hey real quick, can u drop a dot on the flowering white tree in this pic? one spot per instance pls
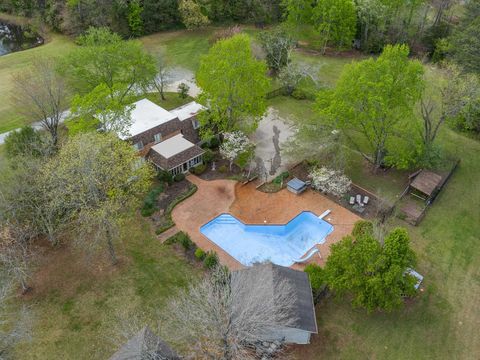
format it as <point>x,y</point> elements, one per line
<point>235,143</point>
<point>330,181</point>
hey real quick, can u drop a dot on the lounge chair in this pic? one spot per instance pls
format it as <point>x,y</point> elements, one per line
<point>359,200</point>
<point>366,199</point>
<point>352,200</point>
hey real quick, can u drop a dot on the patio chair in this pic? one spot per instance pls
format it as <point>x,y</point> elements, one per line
<point>366,199</point>
<point>359,199</point>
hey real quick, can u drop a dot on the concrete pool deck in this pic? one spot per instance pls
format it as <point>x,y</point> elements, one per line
<point>254,207</point>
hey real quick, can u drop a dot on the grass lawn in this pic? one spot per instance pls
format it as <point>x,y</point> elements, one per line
<point>76,303</point>
<point>10,116</point>
<point>180,48</point>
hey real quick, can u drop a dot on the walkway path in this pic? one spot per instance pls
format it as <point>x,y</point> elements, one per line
<point>167,234</point>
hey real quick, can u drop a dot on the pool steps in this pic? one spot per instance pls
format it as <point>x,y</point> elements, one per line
<point>308,256</point>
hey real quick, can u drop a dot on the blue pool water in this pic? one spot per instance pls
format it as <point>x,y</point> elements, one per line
<point>280,244</point>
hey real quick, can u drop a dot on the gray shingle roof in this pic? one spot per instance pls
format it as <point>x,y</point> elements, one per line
<point>303,315</point>
<point>145,346</point>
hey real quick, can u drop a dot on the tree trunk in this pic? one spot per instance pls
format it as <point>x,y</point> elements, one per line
<point>162,95</point>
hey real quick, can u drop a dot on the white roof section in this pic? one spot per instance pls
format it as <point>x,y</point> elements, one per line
<point>188,110</point>
<point>147,115</point>
<point>172,146</point>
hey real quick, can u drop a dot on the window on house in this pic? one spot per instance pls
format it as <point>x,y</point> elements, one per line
<point>157,137</point>
<point>195,161</point>
<point>138,145</point>
<point>176,170</point>
<point>195,124</point>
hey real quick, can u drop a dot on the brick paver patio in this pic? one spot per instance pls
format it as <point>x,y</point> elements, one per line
<point>252,206</point>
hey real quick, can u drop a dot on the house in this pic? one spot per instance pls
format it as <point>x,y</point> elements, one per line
<point>145,345</point>
<point>168,139</point>
<point>302,323</point>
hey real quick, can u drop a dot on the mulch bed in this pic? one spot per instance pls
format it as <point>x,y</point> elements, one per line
<point>171,192</point>
<point>165,198</point>
<point>216,174</point>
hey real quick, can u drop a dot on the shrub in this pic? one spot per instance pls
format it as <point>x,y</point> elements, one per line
<point>149,204</point>
<point>316,276</point>
<point>199,169</point>
<point>26,141</point>
<point>184,240</point>
<point>183,90</point>
<point>200,254</point>
<point>211,260</point>
<point>165,176</point>
<point>179,177</point>
<point>330,181</point>
<point>280,178</point>
<point>208,156</point>
<point>223,169</point>
<point>214,143</point>
<point>362,228</point>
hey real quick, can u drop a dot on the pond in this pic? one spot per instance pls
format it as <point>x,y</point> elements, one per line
<point>16,38</point>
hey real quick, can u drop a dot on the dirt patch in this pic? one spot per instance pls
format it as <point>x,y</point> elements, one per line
<point>62,269</point>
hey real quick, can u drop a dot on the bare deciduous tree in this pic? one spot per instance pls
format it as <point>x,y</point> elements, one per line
<point>292,74</point>
<point>13,328</point>
<point>163,77</point>
<point>41,94</point>
<point>228,315</point>
<point>456,94</point>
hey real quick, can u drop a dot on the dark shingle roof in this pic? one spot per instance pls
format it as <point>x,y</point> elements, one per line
<point>303,314</point>
<point>145,346</point>
<point>426,182</point>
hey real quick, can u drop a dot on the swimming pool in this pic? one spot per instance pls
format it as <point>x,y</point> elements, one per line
<point>280,244</point>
